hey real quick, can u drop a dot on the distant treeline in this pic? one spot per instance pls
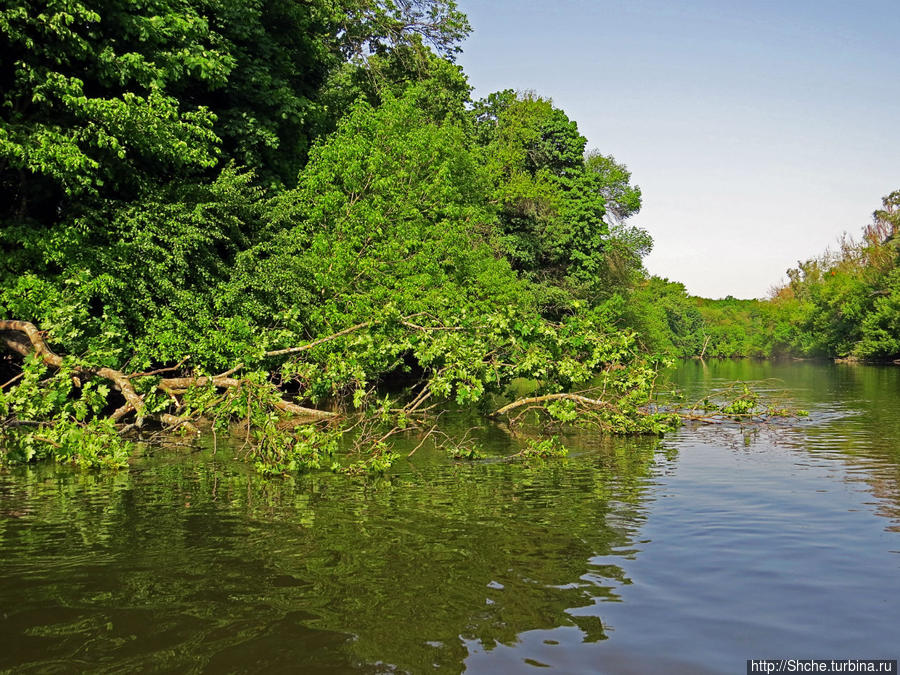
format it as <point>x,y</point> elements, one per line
<point>843,303</point>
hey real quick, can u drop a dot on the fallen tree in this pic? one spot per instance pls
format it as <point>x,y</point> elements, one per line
<point>137,408</point>
<point>135,403</point>
<point>73,410</point>
<point>60,405</point>
<point>285,315</point>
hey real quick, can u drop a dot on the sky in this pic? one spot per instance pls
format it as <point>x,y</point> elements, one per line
<point>758,132</point>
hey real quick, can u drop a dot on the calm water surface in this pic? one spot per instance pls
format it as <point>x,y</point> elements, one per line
<point>687,554</point>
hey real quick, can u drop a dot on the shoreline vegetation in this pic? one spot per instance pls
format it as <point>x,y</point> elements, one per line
<point>294,225</point>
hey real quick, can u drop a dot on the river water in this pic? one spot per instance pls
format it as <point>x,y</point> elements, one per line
<point>686,554</point>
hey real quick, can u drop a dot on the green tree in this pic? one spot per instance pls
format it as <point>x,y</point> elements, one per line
<point>551,207</point>
<point>622,199</point>
<point>120,129</point>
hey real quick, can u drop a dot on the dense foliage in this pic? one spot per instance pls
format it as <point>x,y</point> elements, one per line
<point>676,323</point>
<point>221,211</point>
<point>842,304</point>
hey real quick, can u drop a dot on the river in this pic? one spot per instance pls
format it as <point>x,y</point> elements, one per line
<point>686,554</point>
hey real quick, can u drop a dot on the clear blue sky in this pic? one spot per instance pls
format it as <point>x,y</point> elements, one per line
<point>757,131</point>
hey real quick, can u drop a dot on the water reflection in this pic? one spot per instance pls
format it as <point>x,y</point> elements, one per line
<point>193,561</point>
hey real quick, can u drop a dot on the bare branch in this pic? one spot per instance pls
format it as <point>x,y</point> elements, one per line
<point>584,400</point>
<point>316,343</point>
<point>158,371</point>
<point>12,381</point>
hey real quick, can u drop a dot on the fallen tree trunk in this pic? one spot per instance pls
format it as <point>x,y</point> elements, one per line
<point>180,385</point>
<point>39,346</point>
<point>24,338</point>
